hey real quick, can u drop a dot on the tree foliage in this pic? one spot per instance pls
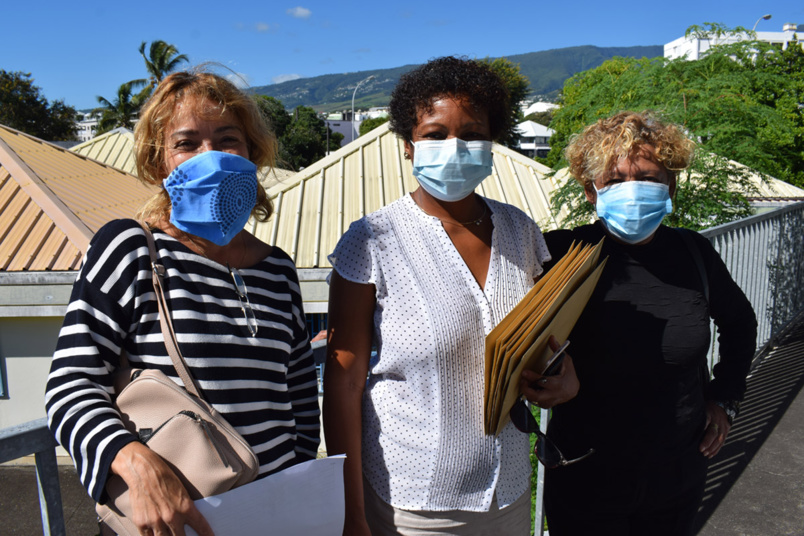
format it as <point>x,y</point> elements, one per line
<point>122,111</point>
<point>162,59</point>
<point>741,102</point>
<point>23,107</point>
<point>274,112</point>
<point>543,118</point>
<point>518,86</point>
<point>302,135</point>
<point>370,124</point>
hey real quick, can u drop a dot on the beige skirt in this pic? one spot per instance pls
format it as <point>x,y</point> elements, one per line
<point>385,520</point>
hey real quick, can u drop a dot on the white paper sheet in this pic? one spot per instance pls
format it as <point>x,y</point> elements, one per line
<point>306,499</point>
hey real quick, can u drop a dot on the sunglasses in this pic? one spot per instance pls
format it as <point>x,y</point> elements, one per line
<point>546,451</point>
<point>245,303</point>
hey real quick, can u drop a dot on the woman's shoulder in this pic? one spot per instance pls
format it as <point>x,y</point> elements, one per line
<point>559,240</point>
<point>518,219</point>
<point>378,222</point>
<point>505,208</point>
<point>124,235</point>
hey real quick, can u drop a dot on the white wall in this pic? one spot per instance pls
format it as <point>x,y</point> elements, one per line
<point>26,348</point>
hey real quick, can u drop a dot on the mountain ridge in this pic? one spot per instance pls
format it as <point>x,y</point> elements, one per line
<point>546,70</point>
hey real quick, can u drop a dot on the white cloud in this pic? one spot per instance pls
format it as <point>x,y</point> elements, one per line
<point>263,27</point>
<point>299,12</point>
<point>285,78</point>
<point>259,27</point>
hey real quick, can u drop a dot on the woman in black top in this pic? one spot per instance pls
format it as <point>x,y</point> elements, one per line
<point>645,405</point>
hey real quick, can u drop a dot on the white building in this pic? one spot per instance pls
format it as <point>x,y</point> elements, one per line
<point>534,139</point>
<point>87,127</point>
<point>694,48</point>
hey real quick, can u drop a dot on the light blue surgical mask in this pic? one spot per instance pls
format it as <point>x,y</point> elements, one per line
<point>451,169</point>
<point>633,210</point>
<point>212,195</point>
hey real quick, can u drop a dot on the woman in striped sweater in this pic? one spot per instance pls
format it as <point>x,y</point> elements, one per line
<point>234,301</point>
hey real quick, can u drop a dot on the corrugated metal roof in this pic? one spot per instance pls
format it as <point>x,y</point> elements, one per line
<point>116,148</point>
<point>52,201</point>
<point>316,206</point>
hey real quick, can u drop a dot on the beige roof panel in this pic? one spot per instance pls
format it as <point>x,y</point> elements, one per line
<point>316,206</point>
<point>114,148</point>
<point>52,201</point>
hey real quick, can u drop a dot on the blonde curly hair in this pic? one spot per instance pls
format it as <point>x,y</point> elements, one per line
<point>199,88</point>
<point>597,150</point>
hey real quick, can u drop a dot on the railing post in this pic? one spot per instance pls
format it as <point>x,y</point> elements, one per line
<point>777,282</point>
<point>34,438</point>
<point>538,514</point>
<point>47,479</point>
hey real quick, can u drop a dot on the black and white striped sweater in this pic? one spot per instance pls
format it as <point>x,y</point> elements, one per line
<point>265,386</point>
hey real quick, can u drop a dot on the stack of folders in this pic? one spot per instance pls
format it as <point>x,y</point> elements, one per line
<point>519,341</point>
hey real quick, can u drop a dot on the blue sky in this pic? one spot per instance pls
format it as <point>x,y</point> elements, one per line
<point>78,50</point>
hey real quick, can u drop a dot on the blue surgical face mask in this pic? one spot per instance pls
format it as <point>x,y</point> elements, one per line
<point>451,169</point>
<point>633,210</point>
<point>212,195</point>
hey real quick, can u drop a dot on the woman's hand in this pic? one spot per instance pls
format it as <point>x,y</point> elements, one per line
<point>717,428</point>
<point>159,501</point>
<point>549,391</point>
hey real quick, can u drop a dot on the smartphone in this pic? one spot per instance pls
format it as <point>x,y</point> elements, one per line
<point>554,363</point>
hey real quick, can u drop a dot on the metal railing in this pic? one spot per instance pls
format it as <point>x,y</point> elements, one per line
<point>764,253</point>
<point>34,438</point>
<point>765,256</point>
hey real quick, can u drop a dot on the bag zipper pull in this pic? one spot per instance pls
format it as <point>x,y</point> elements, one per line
<point>208,431</point>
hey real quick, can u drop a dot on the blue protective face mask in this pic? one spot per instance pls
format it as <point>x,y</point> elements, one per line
<point>212,195</point>
<point>451,169</point>
<point>633,210</point>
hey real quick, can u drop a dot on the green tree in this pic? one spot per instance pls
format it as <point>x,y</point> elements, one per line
<point>122,111</point>
<point>518,86</point>
<point>161,60</point>
<point>737,104</point>
<point>23,107</point>
<point>543,118</point>
<point>370,124</point>
<point>274,112</point>
<point>305,139</point>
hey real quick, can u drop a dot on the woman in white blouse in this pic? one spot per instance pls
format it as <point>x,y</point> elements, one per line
<point>424,279</point>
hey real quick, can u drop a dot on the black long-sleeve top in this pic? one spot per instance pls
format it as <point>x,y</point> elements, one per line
<point>640,347</point>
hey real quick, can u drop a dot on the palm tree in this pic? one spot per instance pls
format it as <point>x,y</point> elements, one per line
<point>122,112</point>
<point>162,58</point>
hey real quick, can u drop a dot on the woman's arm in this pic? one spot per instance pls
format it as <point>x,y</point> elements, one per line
<point>104,301</point>
<point>303,384</point>
<point>350,325</point>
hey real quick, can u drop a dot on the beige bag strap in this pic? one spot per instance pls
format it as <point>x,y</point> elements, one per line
<point>158,274</point>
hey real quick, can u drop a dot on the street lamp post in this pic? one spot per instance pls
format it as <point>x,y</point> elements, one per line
<point>763,17</point>
<point>353,103</point>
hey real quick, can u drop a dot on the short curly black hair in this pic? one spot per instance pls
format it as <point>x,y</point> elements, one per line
<point>418,89</point>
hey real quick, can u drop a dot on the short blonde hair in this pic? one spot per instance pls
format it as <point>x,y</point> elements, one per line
<point>160,110</point>
<point>597,150</point>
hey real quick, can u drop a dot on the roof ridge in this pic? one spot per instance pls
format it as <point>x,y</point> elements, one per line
<point>40,193</point>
